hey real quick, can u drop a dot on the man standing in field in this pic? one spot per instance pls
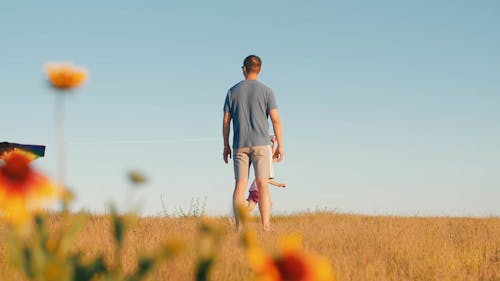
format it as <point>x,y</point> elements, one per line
<point>249,104</point>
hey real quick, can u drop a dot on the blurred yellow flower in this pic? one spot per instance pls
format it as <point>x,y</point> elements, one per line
<point>173,246</point>
<point>249,239</point>
<point>65,76</point>
<point>25,153</point>
<point>57,269</point>
<point>22,189</point>
<point>263,265</point>
<point>243,214</point>
<point>291,264</point>
<point>136,177</point>
<point>291,243</point>
<point>322,269</point>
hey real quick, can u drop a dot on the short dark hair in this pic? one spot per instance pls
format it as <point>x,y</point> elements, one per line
<point>252,63</point>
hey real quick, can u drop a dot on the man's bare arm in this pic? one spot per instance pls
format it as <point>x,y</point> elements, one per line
<point>276,121</point>
<point>226,127</point>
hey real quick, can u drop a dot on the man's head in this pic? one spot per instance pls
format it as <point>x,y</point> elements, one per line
<point>251,65</point>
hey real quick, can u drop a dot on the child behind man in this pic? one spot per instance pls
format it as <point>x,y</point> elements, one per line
<point>253,192</point>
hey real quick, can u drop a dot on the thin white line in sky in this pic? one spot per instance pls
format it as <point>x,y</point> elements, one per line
<point>111,142</point>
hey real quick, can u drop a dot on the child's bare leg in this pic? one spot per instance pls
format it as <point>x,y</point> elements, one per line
<point>251,205</point>
<point>278,184</point>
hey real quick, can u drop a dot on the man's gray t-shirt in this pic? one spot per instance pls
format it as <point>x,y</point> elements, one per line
<point>249,103</point>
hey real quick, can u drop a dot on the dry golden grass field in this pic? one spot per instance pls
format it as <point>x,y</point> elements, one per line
<point>359,247</point>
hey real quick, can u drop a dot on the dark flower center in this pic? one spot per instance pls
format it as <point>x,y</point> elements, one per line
<point>291,268</point>
<point>16,168</point>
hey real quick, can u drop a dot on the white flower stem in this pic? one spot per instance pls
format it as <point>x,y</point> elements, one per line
<point>61,144</point>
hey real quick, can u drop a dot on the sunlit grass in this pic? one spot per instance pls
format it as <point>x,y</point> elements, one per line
<point>359,247</point>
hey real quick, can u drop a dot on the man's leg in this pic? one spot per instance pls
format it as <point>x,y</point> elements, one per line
<point>260,161</point>
<point>264,203</point>
<point>241,168</point>
<point>239,199</point>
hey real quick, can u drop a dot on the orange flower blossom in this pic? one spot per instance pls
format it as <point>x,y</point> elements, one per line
<point>291,265</point>
<point>22,189</point>
<point>65,76</point>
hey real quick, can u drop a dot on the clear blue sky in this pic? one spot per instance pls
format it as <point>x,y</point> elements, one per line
<point>389,107</point>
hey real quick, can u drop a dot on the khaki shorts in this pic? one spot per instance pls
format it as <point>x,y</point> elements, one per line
<point>257,156</point>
